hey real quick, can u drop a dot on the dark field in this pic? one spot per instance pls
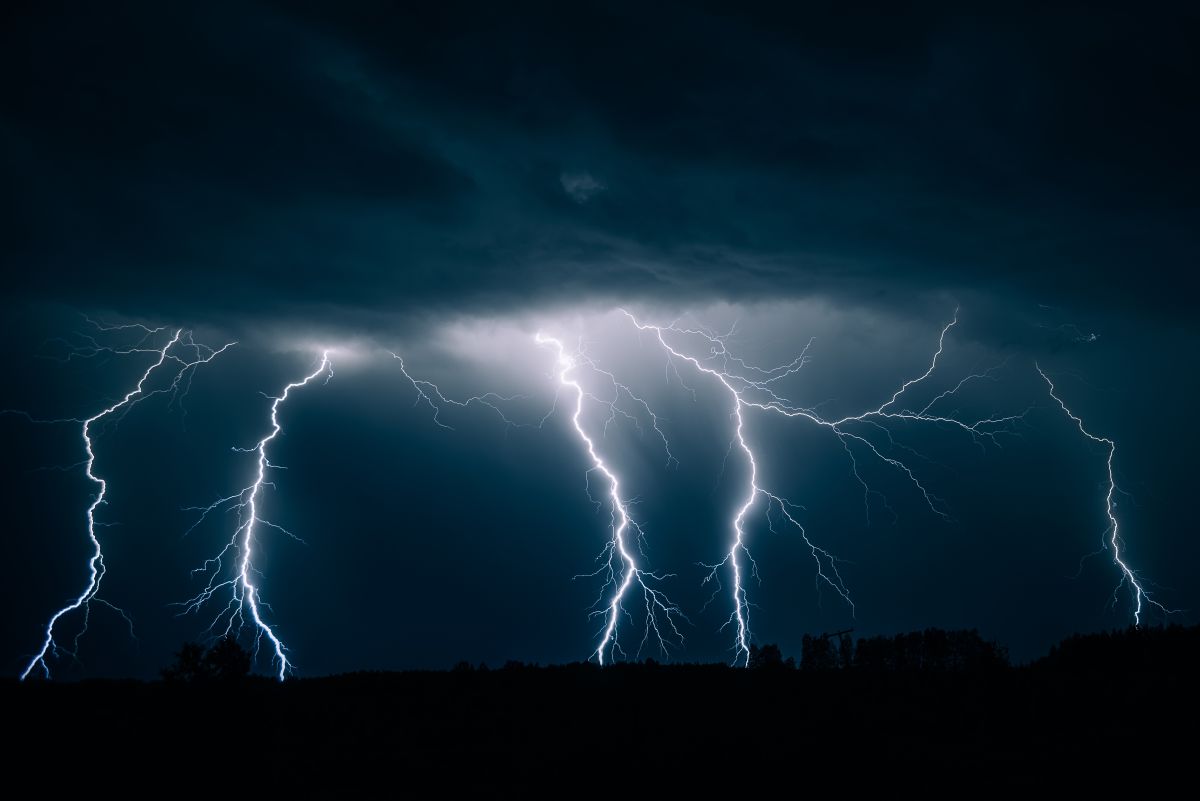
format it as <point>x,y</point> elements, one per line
<point>1107,710</point>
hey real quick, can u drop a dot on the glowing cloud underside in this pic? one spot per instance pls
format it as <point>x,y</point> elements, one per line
<point>176,353</point>
<point>245,598</point>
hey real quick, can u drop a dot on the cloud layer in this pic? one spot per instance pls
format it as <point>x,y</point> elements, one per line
<point>271,162</point>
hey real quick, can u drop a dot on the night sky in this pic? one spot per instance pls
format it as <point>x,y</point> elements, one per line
<point>444,182</point>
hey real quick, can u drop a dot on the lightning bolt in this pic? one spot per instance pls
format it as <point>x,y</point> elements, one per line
<point>431,395</point>
<point>244,593</point>
<point>619,562</point>
<point>96,566</point>
<point>752,387</point>
<point>1114,526</point>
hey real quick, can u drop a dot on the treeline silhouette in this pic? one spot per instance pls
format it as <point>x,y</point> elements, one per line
<point>1132,650</point>
<point>931,709</point>
<point>932,650</point>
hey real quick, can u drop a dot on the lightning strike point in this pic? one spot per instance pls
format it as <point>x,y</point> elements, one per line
<point>245,597</point>
<point>96,566</point>
<point>1128,576</point>
<point>620,568</point>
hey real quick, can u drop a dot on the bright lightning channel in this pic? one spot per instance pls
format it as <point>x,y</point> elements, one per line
<point>660,612</point>
<point>1110,509</point>
<point>618,563</point>
<point>96,566</point>
<point>752,387</point>
<point>244,593</point>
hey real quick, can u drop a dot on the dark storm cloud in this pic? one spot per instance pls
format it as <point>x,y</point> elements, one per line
<point>364,157</point>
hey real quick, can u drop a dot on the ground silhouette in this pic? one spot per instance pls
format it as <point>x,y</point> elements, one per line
<point>926,711</point>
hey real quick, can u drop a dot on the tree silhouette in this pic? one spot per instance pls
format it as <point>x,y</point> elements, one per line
<point>189,664</point>
<point>816,653</point>
<point>845,655</point>
<point>226,660</point>
<point>768,657</point>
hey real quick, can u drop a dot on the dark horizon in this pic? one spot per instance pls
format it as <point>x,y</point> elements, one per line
<point>929,651</point>
<point>966,208</point>
<point>945,723</point>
